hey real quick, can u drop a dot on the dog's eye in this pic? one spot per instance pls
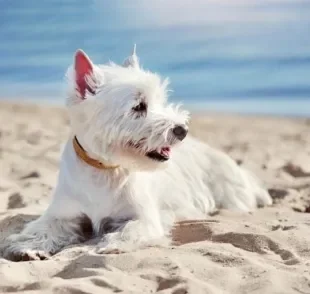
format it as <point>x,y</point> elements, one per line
<point>141,107</point>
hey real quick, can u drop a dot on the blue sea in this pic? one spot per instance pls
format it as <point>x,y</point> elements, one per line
<point>249,56</point>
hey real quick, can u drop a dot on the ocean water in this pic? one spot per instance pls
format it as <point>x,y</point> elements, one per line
<point>249,56</point>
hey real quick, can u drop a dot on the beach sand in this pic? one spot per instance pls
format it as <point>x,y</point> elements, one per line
<point>266,251</point>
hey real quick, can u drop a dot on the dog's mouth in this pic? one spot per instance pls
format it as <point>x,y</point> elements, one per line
<point>160,154</point>
<point>163,154</point>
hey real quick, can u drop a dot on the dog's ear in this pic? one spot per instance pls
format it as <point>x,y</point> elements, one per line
<point>132,60</point>
<point>84,70</point>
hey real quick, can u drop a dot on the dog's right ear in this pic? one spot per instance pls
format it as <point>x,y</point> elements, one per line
<point>132,60</point>
<point>84,70</point>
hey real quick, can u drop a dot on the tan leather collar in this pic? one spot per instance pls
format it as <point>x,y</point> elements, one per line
<point>82,154</point>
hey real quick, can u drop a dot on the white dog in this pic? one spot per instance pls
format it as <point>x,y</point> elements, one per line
<point>129,170</point>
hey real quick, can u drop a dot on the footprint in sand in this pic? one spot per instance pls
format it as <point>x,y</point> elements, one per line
<point>197,231</point>
<point>15,201</point>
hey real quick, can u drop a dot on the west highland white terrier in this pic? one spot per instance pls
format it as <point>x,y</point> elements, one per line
<point>129,169</point>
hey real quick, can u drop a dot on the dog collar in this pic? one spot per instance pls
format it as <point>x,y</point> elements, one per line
<point>82,154</point>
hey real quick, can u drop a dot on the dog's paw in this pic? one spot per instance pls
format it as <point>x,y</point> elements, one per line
<point>28,255</point>
<point>111,244</point>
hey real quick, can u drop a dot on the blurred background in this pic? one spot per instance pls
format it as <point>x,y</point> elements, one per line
<point>249,56</point>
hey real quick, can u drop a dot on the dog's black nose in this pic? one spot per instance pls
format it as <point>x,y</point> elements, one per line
<point>180,132</point>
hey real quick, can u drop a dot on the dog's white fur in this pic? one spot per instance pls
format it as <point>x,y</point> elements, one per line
<point>143,197</point>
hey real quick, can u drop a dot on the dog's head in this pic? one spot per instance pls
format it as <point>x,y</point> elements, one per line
<point>120,114</point>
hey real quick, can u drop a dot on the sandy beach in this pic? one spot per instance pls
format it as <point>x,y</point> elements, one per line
<point>266,251</point>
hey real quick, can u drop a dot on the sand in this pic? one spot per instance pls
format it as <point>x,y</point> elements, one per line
<point>266,251</point>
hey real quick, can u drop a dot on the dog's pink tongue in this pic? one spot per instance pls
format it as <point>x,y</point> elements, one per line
<point>165,151</point>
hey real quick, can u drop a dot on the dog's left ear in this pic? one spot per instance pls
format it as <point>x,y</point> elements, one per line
<point>132,60</point>
<point>84,70</point>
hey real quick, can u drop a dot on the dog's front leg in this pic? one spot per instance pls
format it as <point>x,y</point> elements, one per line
<point>133,235</point>
<point>146,230</point>
<point>46,236</point>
